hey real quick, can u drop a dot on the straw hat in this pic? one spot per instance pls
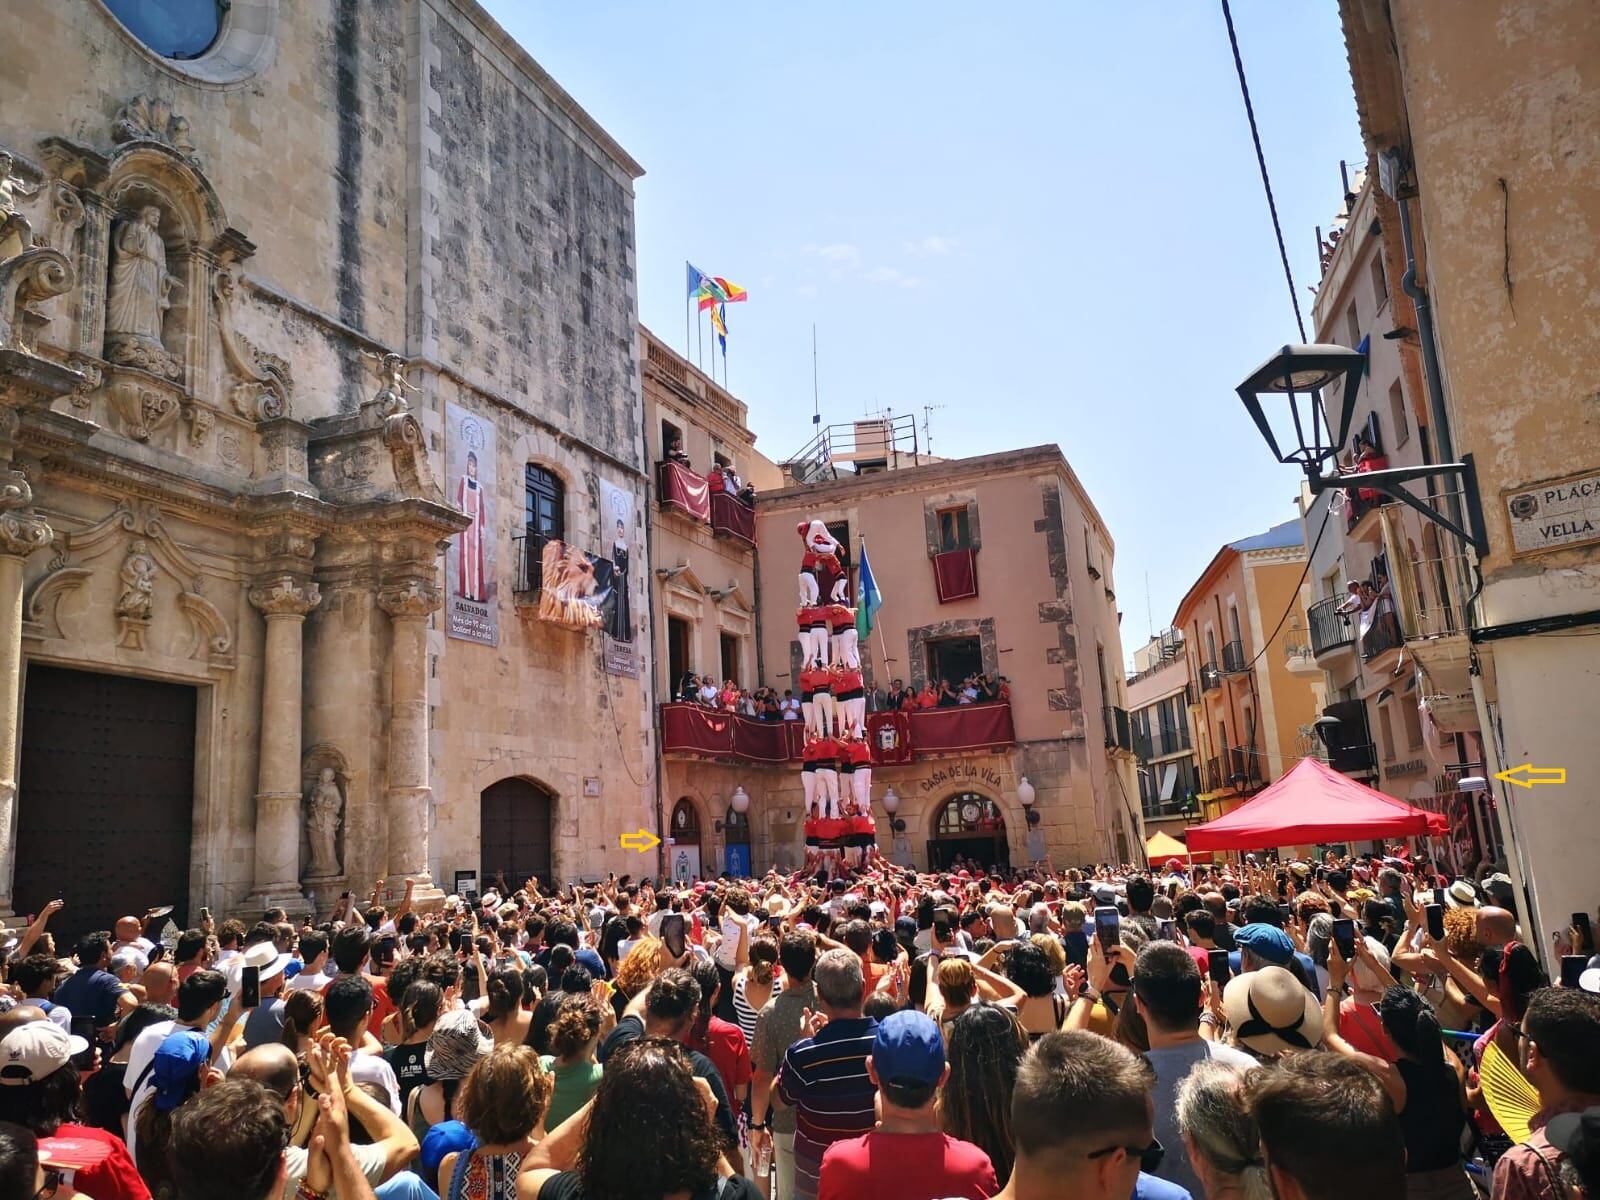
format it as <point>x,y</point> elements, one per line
<point>1460,894</point>
<point>1271,1012</point>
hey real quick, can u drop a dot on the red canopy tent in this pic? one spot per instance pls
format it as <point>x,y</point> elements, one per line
<point>1314,803</point>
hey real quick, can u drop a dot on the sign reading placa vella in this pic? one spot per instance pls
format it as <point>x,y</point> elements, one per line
<point>1555,515</point>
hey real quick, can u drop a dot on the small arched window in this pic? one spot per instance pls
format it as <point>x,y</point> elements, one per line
<point>178,29</point>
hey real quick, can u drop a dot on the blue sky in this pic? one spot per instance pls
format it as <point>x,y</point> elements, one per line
<point>1046,218</point>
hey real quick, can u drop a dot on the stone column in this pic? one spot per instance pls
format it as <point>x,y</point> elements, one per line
<point>22,531</point>
<point>408,602</point>
<point>284,601</point>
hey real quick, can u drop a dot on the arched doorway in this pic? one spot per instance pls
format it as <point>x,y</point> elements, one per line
<point>514,834</point>
<point>736,844</point>
<point>971,826</point>
<point>683,861</point>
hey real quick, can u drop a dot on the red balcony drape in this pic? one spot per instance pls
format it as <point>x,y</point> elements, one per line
<point>733,517</point>
<point>965,727</point>
<point>693,729</point>
<point>955,574</point>
<point>685,490</point>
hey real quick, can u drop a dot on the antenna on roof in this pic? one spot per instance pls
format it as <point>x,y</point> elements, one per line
<point>927,434</point>
<point>816,405</point>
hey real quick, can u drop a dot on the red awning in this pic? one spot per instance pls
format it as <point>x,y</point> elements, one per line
<point>1314,803</point>
<point>733,518</point>
<point>684,490</point>
<point>955,574</point>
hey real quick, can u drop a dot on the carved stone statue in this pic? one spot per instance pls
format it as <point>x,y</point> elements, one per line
<point>140,293</point>
<point>14,226</point>
<point>324,805</point>
<point>138,583</point>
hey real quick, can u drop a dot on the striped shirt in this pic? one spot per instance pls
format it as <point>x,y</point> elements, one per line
<point>741,1006</point>
<point>824,1079</point>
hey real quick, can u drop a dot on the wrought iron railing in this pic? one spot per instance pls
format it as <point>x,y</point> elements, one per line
<point>1234,660</point>
<point>1119,729</point>
<point>1210,677</point>
<point>528,555</point>
<point>1330,630</point>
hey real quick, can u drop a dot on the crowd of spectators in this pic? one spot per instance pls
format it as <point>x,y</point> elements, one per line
<point>1263,1031</point>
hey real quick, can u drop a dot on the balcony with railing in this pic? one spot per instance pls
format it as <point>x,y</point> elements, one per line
<point>1159,742</point>
<point>1211,776</point>
<point>1243,765</point>
<point>698,731</point>
<point>1210,677</point>
<point>1234,659</point>
<point>1331,631</point>
<point>732,518</point>
<point>1119,728</point>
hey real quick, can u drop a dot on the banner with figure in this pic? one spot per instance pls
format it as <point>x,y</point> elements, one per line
<point>471,588</point>
<point>616,536</point>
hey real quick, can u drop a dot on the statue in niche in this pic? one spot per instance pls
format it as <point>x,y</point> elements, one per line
<point>323,807</point>
<point>138,584</point>
<point>139,296</point>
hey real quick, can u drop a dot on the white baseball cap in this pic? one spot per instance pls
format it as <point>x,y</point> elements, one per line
<point>36,1051</point>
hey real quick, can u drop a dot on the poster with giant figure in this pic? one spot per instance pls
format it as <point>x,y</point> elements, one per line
<point>471,586</point>
<point>616,542</point>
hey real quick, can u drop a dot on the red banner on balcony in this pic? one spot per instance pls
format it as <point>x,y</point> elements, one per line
<point>955,573</point>
<point>889,735</point>
<point>965,727</point>
<point>693,729</point>
<point>683,489</point>
<point>733,517</point>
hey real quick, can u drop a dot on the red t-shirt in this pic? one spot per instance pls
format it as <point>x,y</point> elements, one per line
<point>905,1166</point>
<point>1360,1025</point>
<point>112,1176</point>
<point>382,1007</point>
<point>724,1045</point>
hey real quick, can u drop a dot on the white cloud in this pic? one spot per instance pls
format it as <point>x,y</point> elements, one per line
<point>842,253</point>
<point>931,245</point>
<point>892,276</point>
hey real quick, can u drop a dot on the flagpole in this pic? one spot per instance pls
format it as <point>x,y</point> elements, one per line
<point>700,343</point>
<point>688,308</point>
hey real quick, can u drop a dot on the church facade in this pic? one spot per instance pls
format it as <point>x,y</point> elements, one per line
<point>320,434</point>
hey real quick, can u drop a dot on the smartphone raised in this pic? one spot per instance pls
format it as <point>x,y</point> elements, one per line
<point>1572,966</point>
<point>1344,937</point>
<point>672,934</point>
<point>1107,926</point>
<point>1286,911</point>
<point>1435,921</point>
<point>1167,929</point>
<point>1217,966</point>
<point>250,987</point>
<point>1076,943</point>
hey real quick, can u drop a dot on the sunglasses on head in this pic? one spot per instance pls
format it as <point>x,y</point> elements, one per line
<point>1149,1156</point>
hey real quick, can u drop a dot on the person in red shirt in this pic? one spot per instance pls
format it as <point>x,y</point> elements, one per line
<point>907,1157</point>
<point>720,1041</point>
<point>351,950</point>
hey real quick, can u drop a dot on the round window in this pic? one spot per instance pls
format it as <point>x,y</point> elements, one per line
<point>178,29</point>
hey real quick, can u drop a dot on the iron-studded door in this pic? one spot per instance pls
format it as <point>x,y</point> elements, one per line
<point>105,797</point>
<point>515,832</point>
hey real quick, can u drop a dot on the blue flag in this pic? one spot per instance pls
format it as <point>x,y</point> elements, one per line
<point>868,598</point>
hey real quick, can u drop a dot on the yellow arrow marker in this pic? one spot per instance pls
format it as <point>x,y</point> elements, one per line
<point>1527,775</point>
<point>641,841</point>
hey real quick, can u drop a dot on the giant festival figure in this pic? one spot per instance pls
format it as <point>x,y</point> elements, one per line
<point>836,762</point>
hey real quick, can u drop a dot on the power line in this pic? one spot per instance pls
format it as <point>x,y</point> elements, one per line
<point>1294,598</point>
<point>1261,161</point>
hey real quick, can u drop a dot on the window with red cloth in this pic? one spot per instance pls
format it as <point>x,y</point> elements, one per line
<point>684,490</point>
<point>955,574</point>
<point>733,518</point>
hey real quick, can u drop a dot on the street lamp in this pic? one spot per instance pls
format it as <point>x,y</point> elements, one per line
<point>740,800</point>
<point>891,802</point>
<point>1302,374</point>
<point>1025,793</point>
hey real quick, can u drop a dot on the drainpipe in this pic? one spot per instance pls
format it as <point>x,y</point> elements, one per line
<point>1433,377</point>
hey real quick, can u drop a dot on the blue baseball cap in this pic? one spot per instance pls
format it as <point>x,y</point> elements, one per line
<point>447,1137</point>
<point>180,1058</point>
<point>1267,942</point>
<point>908,1050</point>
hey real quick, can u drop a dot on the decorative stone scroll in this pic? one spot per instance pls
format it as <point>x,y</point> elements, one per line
<point>28,273</point>
<point>263,383</point>
<point>22,531</point>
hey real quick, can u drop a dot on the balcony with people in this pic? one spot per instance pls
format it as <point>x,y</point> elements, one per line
<point>719,498</point>
<point>705,719</point>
